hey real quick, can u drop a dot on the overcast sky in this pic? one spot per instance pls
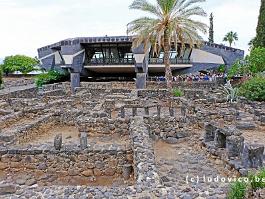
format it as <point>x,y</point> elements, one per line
<point>26,25</point>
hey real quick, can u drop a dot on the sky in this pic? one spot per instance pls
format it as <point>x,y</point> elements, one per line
<point>26,25</point>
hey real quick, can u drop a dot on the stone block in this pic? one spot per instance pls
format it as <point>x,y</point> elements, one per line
<point>171,112</point>
<point>88,172</point>
<point>209,132</point>
<point>122,112</point>
<point>262,120</point>
<point>146,111</point>
<point>134,111</point>
<point>58,142</point>
<point>220,139</point>
<point>253,156</point>
<point>7,189</point>
<point>83,140</point>
<point>245,125</point>
<point>127,171</point>
<point>234,145</point>
<point>158,108</point>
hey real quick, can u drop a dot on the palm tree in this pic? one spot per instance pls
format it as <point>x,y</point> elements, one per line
<point>231,37</point>
<point>171,22</point>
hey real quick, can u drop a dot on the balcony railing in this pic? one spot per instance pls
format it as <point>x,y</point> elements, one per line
<point>172,61</point>
<point>130,61</point>
<point>111,61</point>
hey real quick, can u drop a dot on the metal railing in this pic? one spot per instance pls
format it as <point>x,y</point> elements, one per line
<point>130,61</point>
<point>111,61</point>
<point>172,61</point>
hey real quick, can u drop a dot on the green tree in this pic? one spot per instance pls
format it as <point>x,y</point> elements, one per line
<point>231,37</point>
<point>19,63</point>
<point>251,44</point>
<point>256,60</point>
<point>211,31</point>
<point>260,37</point>
<point>171,22</point>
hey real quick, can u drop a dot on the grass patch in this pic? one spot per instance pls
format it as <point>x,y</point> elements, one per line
<point>177,92</point>
<point>237,190</point>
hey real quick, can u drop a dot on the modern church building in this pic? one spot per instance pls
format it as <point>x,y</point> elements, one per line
<point>99,57</point>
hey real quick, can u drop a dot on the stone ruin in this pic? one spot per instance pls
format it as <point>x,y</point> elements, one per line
<point>104,141</point>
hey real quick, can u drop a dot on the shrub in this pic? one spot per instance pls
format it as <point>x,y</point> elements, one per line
<point>177,92</point>
<point>51,76</point>
<point>253,89</point>
<point>19,63</point>
<point>221,68</point>
<point>256,60</point>
<point>256,181</point>
<point>240,67</point>
<point>237,190</point>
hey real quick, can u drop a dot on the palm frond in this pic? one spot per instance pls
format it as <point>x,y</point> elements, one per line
<point>144,5</point>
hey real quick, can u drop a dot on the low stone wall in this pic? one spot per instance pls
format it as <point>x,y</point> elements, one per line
<point>57,164</point>
<point>185,85</point>
<point>158,94</point>
<point>103,126</point>
<point>24,93</point>
<point>168,129</point>
<point>152,85</point>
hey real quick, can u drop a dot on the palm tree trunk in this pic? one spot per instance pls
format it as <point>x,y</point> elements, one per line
<point>168,72</point>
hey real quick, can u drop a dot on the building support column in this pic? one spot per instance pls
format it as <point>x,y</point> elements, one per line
<point>140,80</point>
<point>75,81</point>
<point>141,66</point>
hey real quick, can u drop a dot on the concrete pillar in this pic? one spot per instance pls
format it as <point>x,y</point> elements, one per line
<point>140,80</point>
<point>75,81</point>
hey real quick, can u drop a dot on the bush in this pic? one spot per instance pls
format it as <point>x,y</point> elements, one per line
<point>237,190</point>
<point>221,68</point>
<point>253,89</point>
<point>50,77</point>
<point>256,181</point>
<point>177,92</point>
<point>238,68</point>
<point>256,60</point>
<point>19,63</point>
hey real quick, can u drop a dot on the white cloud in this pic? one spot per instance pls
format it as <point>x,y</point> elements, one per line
<point>29,24</point>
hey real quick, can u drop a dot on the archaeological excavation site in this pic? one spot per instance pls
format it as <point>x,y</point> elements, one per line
<point>109,140</point>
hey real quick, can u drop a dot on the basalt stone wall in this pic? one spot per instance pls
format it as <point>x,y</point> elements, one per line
<point>164,128</point>
<point>26,93</point>
<point>103,126</point>
<point>123,85</point>
<point>75,162</point>
<point>152,85</point>
<point>190,85</point>
<point>158,94</point>
<point>21,132</point>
